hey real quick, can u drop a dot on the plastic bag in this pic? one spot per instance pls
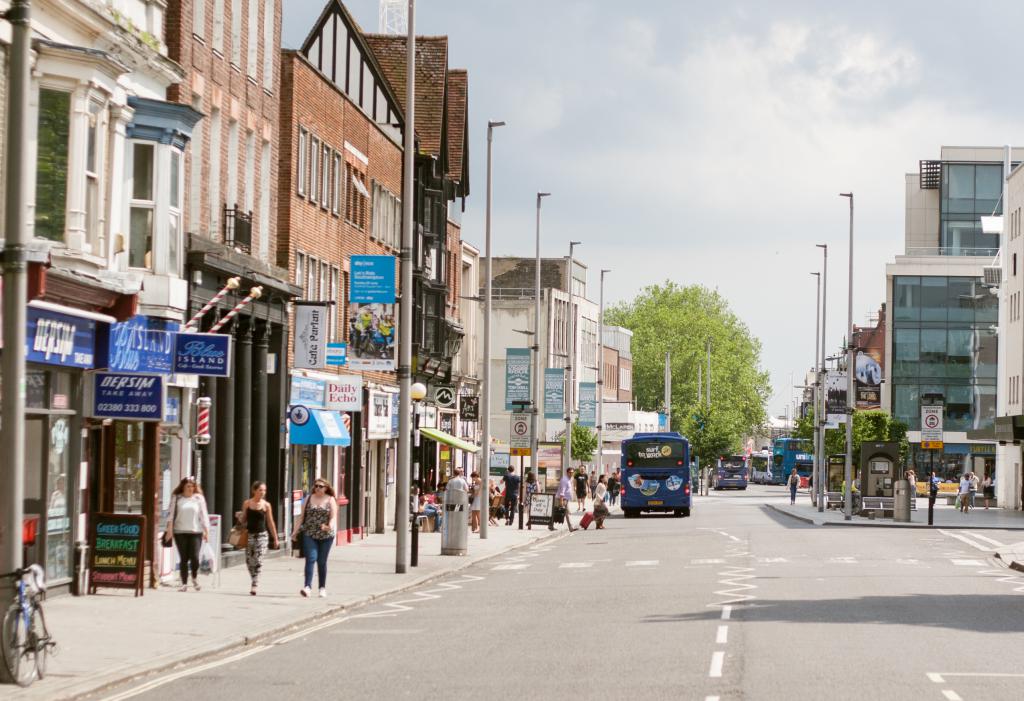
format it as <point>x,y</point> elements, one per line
<point>207,559</point>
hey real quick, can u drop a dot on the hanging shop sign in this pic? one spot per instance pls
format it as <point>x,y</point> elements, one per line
<point>345,393</point>
<point>307,391</point>
<point>446,422</point>
<point>378,422</point>
<point>142,344</point>
<point>337,354</point>
<point>206,354</point>
<point>517,378</point>
<point>588,404</point>
<point>60,339</point>
<point>469,407</point>
<point>117,395</point>
<point>554,393</point>
<point>116,552</point>
<point>372,279</point>
<point>312,326</point>
<point>444,396</point>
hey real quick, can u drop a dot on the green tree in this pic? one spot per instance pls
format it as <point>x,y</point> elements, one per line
<point>584,443</point>
<point>669,318</point>
<point>709,436</point>
<point>869,426</point>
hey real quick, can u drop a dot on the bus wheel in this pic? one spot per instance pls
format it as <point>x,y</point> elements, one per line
<point>678,513</point>
<point>631,513</point>
<point>686,512</point>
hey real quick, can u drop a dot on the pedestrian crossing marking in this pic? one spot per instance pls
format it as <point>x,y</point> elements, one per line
<point>642,563</point>
<point>968,563</point>
<point>711,561</point>
<point>843,560</point>
<point>575,565</point>
<point>512,566</point>
<point>770,560</point>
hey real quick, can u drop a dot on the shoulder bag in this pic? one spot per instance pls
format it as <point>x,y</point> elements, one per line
<point>168,538</point>
<point>297,540</point>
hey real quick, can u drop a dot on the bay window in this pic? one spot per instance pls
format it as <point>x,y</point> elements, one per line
<point>140,217</point>
<point>155,207</point>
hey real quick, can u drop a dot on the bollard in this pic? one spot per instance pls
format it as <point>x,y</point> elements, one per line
<point>901,504</point>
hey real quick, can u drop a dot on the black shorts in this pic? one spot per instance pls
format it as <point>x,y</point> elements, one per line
<point>990,492</point>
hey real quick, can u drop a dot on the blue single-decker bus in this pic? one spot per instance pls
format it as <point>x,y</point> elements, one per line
<point>656,474</point>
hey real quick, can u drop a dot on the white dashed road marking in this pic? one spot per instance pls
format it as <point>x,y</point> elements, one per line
<point>512,566</point>
<point>951,695</point>
<point>642,563</point>
<point>722,637</point>
<point>706,561</point>
<point>726,613</point>
<point>968,563</point>
<point>843,560</point>
<point>771,560</point>
<point>717,660</point>
<point>575,565</point>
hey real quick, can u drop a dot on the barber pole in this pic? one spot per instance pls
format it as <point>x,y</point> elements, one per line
<point>254,293</point>
<point>203,421</point>
<point>232,285</point>
<point>347,420</point>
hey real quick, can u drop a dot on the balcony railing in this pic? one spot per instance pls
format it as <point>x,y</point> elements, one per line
<point>238,229</point>
<point>952,251</point>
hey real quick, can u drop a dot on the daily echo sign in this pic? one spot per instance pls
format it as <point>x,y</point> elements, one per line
<point>345,393</point>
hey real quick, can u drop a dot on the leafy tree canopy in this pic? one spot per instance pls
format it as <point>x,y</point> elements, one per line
<point>868,426</point>
<point>584,443</point>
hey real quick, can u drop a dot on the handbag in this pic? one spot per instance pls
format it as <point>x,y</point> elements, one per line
<point>168,537</point>
<point>239,537</point>
<point>297,540</point>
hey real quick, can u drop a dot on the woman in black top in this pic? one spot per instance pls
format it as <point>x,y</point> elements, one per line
<point>259,525</point>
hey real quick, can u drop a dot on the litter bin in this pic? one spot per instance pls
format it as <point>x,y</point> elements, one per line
<point>455,524</point>
<point>80,584</point>
<point>901,507</point>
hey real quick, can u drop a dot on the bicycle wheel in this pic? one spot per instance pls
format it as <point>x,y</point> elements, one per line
<point>39,638</point>
<point>19,658</point>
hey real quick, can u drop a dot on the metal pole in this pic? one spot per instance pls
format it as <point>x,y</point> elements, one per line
<point>414,558</point>
<point>817,389</point>
<point>485,411</point>
<point>668,391</point>
<point>570,325</point>
<point>600,379</point>
<point>848,472</point>
<point>822,417</point>
<point>708,343</point>
<point>405,328</point>
<point>538,377</point>
<point>15,298</point>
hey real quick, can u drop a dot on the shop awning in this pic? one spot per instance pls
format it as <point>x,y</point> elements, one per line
<point>449,439</point>
<point>320,428</point>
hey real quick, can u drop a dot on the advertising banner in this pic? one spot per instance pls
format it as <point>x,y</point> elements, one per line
<point>517,378</point>
<point>127,396</point>
<point>312,326</point>
<point>373,279</point>
<point>203,354</point>
<point>345,393</point>
<point>869,378</point>
<point>378,423</point>
<point>835,399</point>
<point>588,404</point>
<point>372,337</point>
<point>554,393</point>
<point>549,464</point>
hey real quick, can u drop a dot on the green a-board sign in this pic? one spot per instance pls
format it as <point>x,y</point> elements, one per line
<point>117,551</point>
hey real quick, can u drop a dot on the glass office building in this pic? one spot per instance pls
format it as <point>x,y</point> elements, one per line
<point>969,191</point>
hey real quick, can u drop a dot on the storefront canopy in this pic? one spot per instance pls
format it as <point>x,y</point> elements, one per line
<point>449,439</point>
<point>321,428</point>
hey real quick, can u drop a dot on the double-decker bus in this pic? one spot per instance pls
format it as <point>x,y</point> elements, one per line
<point>655,474</point>
<point>761,467</point>
<point>788,453</point>
<point>731,472</point>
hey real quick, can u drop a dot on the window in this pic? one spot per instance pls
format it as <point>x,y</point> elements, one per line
<point>54,130</point>
<point>218,25</point>
<point>215,201</point>
<point>301,165</point>
<point>199,19</point>
<point>195,185</point>
<point>231,196</point>
<point>625,379</point>
<point>93,168</point>
<point>335,278</point>
<point>252,53</point>
<point>140,247</point>
<point>314,170</point>
<point>250,172</point>
<point>337,175</point>
<point>387,217</point>
<point>358,198</point>
<point>325,178</point>
<point>969,191</point>
<point>300,268</point>
<point>236,32</point>
<point>268,44</point>
<point>312,270</point>
<point>264,244</point>
<point>174,215</point>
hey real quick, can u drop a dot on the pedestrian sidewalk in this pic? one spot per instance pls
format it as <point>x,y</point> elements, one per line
<point>112,636</point>
<point>944,517</point>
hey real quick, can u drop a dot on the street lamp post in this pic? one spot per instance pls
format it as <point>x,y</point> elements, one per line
<point>570,321</point>
<point>817,387</point>
<point>522,407</point>
<point>538,377</point>
<point>850,360</point>
<point>418,391</point>
<point>822,417</point>
<point>600,379</point>
<point>485,417</point>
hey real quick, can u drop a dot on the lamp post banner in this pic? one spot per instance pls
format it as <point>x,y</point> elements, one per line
<point>588,404</point>
<point>554,393</point>
<point>371,337</point>
<point>517,378</point>
<point>835,399</point>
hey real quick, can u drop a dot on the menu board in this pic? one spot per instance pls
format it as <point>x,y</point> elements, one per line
<point>542,507</point>
<point>116,552</point>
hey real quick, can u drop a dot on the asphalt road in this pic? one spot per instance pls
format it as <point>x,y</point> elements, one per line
<point>736,602</point>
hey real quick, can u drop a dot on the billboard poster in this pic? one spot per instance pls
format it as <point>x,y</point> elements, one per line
<point>869,378</point>
<point>312,324</point>
<point>835,399</point>
<point>371,337</point>
<point>554,393</point>
<point>378,422</point>
<point>588,404</point>
<point>549,464</point>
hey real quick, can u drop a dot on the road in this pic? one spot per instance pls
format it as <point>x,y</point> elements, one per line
<point>736,602</point>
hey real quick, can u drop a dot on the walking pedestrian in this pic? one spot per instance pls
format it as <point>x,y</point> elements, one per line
<point>189,525</point>
<point>563,496</point>
<point>511,480</point>
<point>793,482</point>
<point>475,499</point>
<point>581,490</point>
<point>600,508</point>
<point>317,525</point>
<point>532,487</point>
<point>990,489</point>
<point>963,494</point>
<point>613,488</point>
<point>592,483</point>
<point>258,517</point>
<point>973,489</point>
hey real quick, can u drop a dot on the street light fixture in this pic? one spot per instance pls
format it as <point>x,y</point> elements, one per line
<point>570,360</point>
<point>600,379</point>
<point>822,470</point>
<point>538,378</point>
<point>416,392</point>
<point>850,360</point>
<point>816,487</point>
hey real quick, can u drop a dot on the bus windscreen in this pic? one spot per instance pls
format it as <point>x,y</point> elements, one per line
<point>655,454</point>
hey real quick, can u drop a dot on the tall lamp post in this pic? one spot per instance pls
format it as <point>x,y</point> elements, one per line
<point>522,406</point>
<point>850,360</point>
<point>600,379</point>
<point>570,325</point>
<point>538,377</point>
<point>815,488</point>
<point>485,417</point>
<point>417,392</point>
<point>822,417</point>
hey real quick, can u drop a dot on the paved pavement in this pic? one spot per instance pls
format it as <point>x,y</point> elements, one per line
<point>738,602</point>
<point>112,636</point>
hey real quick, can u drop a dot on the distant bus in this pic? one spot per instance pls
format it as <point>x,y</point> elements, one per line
<point>731,473</point>
<point>655,474</point>
<point>788,453</point>
<point>761,467</point>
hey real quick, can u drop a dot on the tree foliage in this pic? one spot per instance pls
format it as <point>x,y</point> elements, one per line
<point>669,318</point>
<point>584,443</point>
<point>870,426</point>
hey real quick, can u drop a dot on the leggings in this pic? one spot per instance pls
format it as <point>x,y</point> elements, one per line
<point>255,550</point>
<point>188,552</point>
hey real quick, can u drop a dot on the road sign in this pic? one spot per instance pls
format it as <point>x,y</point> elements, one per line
<point>931,445</point>
<point>444,395</point>
<point>519,435</point>
<point>931,423</point>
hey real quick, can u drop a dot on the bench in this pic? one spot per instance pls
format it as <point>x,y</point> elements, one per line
<point>833,500</point>
<point>883,504</point>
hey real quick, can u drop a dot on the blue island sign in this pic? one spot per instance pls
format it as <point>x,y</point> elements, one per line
<point>128,396</point>
<point>202,354</point>
<point>141,344</point>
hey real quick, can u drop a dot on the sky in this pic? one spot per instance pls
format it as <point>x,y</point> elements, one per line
<point>707,143</point>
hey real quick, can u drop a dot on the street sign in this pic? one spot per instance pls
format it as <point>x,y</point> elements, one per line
<point>519,435</point>
<point>932,445</point>
<point>931,423</point>
<point>444,396</point>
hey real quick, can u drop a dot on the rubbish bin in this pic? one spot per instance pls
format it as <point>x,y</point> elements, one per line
<point>901,507</point>
<point>80,584</point>
<point>455,524</point>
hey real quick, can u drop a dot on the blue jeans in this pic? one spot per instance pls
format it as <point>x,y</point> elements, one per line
<point>316,552</point>
<point>792,492</point>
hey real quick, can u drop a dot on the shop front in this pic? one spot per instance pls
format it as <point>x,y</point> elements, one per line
<point>953,460</point>
<point>380,455</point>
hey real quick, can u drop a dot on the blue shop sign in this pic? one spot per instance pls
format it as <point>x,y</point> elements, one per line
<point>142,344</point>
<point>60,339</point>
<point>373,279</point>
<point>395,400</point>
<point>307,392</point>
<point>128,396</point>
<point>202,354</point>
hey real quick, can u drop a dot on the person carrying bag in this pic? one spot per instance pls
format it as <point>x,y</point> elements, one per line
<point>188,527</point>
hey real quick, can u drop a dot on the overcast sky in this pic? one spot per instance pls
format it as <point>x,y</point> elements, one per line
<point>707,142</point>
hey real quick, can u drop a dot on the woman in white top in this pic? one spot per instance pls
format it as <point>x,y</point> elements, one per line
<point>190,524</point>
<point>476,489</point>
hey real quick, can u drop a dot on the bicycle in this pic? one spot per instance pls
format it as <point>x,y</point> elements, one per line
<point>25,642</point>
